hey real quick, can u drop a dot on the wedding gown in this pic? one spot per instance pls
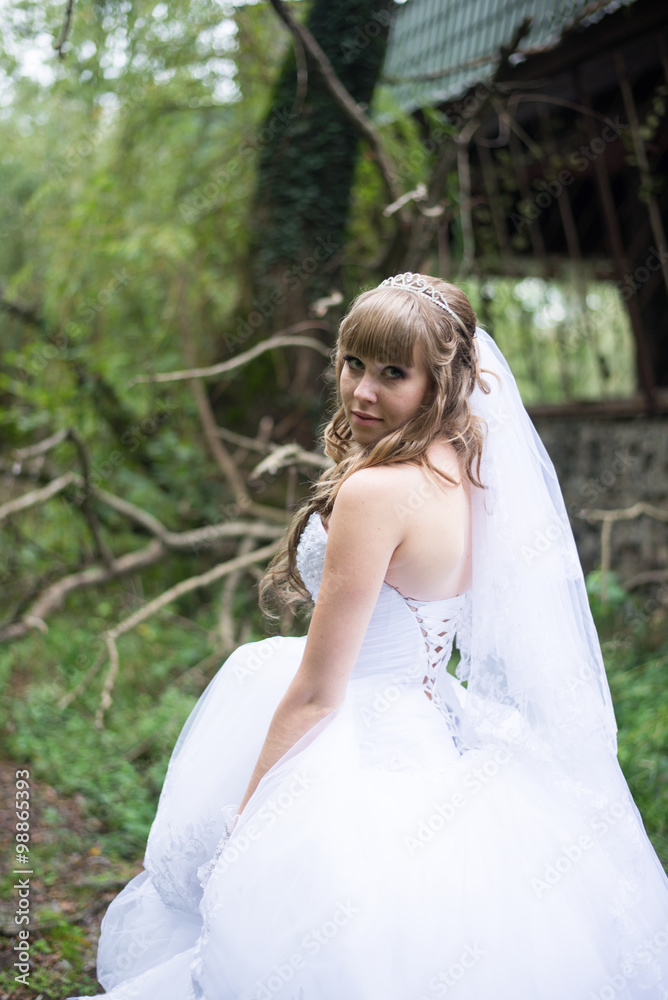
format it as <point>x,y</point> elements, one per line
<point>375,860</point>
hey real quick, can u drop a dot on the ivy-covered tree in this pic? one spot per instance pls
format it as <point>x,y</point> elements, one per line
<point>307,166</point>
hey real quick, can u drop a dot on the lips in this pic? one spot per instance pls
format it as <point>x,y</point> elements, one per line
<point>365,419</point>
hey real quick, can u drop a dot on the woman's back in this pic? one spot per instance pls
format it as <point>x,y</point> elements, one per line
<point>406,638</point>
<point>434,560</point>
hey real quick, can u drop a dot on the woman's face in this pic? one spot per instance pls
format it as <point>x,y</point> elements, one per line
<point>379,398</point>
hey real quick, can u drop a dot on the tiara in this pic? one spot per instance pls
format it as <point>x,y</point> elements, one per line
<point>418,284</point>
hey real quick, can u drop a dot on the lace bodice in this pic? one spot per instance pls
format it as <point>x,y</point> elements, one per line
<point>404,634</point>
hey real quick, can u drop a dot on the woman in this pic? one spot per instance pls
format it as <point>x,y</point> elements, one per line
<point>392,831</point>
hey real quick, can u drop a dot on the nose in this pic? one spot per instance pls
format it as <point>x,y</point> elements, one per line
<point>366,389</point>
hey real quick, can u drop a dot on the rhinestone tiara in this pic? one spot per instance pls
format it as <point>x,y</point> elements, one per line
<point>419,284</point>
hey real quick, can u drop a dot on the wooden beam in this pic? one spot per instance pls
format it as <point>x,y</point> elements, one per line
<point>614,409</point>
<point>613,230</point>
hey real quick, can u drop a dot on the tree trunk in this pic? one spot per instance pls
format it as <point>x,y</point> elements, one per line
<point>307,166</point>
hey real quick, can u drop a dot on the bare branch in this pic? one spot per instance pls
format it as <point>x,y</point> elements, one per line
<point>466,221</point>
<point>35,497</point>
<point>94,668</point>
<point>218,450</point>
<point>348,105</point>
<point>184,587</point>
<point>34,450</point>
<point>192,539</point>
<point>321,306</point>
<point>164,540</point>
<point>112,673</point>
<point>607,519</point>
<point>506,51</point>
<point>440,73</point>
<point>225,616</point>
<point>581,109</point>
<point>283,339</point>
<point>53,597</point>
<point>418,194</point>
<point>58,485</point>
<point>192,583</point>
<point>136,514</point>
<point>196,537</point>
<point>289,455</point>
<point>86,507</point>
<point>521,134</point>
<point>251,444</point>
<point>65,30</point>
<point>430,214</point>
<point>627,513</point>
<point>650,576</point>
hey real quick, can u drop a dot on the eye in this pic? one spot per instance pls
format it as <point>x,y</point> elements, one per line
<point>393,372</point>
<point>353,362</point>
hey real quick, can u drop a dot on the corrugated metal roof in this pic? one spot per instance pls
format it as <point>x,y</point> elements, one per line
<point>438,49</point>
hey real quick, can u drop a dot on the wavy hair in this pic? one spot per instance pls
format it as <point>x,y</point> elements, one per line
<point>386,323</point>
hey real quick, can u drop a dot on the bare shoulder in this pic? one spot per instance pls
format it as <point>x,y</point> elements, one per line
<point>375,480</point>
<point>384,488</point>
<point>445,457</point>
<point>406,522</point>
<point>378,490</point>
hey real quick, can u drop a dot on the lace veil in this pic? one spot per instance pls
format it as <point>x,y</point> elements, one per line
<point>531,657</point>
<point>531,660</point>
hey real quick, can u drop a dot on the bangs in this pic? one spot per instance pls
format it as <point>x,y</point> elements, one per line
<point>384,324</point>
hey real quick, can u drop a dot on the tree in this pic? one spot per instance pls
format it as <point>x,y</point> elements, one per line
<point>306,168</point>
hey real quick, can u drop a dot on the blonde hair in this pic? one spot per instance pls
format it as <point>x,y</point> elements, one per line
<point>386,324</point>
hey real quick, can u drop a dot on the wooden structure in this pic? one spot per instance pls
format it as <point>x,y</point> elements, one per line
<point>560,107</point>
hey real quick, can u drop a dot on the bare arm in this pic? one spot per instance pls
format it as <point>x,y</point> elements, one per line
<point>364,531</point>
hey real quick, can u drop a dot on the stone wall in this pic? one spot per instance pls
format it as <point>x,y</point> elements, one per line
<point>606,463</point>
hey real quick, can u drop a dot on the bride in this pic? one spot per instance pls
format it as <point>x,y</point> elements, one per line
<point>345,819</point>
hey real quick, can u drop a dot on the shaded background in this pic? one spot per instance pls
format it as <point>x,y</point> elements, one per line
<point>190,194</point>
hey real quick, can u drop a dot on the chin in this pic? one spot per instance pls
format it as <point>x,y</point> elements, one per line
<point>366,435</point>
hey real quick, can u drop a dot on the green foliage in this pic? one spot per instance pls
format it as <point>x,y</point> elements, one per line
<point>49,982</point>
<point>606,593</point>
<point>129,181</point>
<point>634,639</point>
<point>641,702</point>
<point>123,206</point>
<point>369,229</point>
<point>58,961</point>
<point>117,771</point>
<point>78,760</point>
<point>563,339</point>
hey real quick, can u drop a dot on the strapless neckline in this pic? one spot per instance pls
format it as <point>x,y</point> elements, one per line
<point>415,603</point>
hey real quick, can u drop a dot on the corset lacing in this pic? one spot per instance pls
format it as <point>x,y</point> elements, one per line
<point>439,634</point>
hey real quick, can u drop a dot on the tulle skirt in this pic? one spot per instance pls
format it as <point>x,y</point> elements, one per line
<point>376,862</point>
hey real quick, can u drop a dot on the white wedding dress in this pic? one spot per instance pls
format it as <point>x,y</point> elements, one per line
<point>375,861</point>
